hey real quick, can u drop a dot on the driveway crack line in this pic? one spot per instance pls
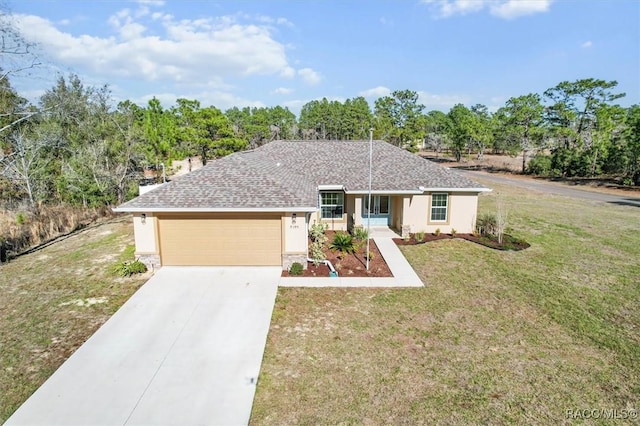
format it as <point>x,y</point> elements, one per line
<point>195,308</point>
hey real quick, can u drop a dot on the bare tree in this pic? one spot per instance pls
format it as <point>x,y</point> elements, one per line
<point>17,56</point>
<point>26,163</point>
<point>109,163</point>
<point>501,219</point>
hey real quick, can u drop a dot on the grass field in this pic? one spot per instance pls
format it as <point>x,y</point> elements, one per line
<point>52,300</point>
<point>493,338</point>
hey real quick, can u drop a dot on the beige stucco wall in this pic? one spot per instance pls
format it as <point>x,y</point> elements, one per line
<point>337,224</point>
<point>145,234</point>
<point>295,234</point>
<point>461,213</point>
<point>357,208</point>
<point>397,211</point>
<point>414,208</point>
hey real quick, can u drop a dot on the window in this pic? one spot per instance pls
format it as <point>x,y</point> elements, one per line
<point>439,204</point>
<point>380,205</point>
<point>331,204</point>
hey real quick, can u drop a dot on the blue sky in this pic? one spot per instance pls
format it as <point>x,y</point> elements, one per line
<point>266,53</point>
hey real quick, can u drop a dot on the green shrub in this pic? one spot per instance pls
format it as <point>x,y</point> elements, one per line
<point>317,231</point>
<point>419,236</point>
<point>318,240</point>
<point>296,268</point>
<point>437,232</point>
<point>129,253</point>
<point>21,218</point>
<point>570,162</point>
<point>486,224</point>
<point>317,253</point>
<point>370,256</point>
<point>126,269</point>
<point>360,233</point>
<point>540,165</point>
<point>632,179</point>
<point>453,232</point>
<point>343,243</point>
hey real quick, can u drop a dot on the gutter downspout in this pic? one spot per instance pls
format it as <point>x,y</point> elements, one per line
<point>324,262</point>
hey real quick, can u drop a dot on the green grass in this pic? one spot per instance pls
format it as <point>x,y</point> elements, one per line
<point>494,337</point>
<point>40,326</point>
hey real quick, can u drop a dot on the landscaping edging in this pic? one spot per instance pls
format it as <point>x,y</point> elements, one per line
<point>509,243</point>
<point>350,265</point>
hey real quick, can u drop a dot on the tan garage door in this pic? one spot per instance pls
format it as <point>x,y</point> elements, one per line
<point>220,239</point>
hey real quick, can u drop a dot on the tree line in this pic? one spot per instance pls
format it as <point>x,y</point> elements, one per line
<point>74,146</point>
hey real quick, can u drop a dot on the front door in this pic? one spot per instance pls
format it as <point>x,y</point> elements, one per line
<point>380,210</point>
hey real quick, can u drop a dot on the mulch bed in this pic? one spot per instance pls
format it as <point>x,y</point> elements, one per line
<point>351,265</point>
<point>509,243</point>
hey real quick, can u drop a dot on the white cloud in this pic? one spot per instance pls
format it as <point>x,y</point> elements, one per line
<point>269,20</point>
<point>32,95</point>
<point>150,2</point>
<point>295,104</point>
<point>587,44</point>
<point>282,91</point>
<point>446,8</point>
<point>225,100</point>
<point>284,21</point>
<point>188,50</point>
<point>309,76</point>
<point>219,99</point>
<point>124,24</point>
<point>505,9</point>
<point>433,101</point>
<point>288,72</point>
<point>515,8</point>
<point>376,92</point>
<point>496,102</point>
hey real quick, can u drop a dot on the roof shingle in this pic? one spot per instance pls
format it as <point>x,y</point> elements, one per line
<point>286,174</point>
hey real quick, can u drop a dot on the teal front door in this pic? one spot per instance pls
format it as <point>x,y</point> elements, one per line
<point>380,210</point>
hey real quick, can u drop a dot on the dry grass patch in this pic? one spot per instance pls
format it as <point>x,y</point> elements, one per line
<point>52,301</point>
<point>494,337</point>
<point>23,229</point>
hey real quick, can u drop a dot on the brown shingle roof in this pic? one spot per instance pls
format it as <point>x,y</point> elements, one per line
<point>286,174</point>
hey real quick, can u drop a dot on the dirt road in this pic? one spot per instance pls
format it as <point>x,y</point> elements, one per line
<point>554,188</point>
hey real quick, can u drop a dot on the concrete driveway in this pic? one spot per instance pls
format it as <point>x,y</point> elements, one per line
<point>186,349</point>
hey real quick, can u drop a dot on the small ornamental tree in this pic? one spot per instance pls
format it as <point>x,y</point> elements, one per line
<point>318,240</point>
<point>501,219</point>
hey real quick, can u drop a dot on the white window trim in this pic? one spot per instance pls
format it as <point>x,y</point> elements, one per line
<point>446,208</point>
<point>331,205</point>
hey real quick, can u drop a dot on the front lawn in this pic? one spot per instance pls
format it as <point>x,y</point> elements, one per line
<point>53,300</point>
<point>494,337</point>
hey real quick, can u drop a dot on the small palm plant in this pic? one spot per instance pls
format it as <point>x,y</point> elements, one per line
<point>343,243</point>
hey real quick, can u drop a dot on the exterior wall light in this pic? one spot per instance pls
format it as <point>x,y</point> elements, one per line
<point>143,218</point>
<point>294,217</point>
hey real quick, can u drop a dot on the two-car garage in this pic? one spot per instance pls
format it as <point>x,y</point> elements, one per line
<point>220,239</point>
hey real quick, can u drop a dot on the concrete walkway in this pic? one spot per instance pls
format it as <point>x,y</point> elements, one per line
<point>403,273</point>
<point>185,349</point>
